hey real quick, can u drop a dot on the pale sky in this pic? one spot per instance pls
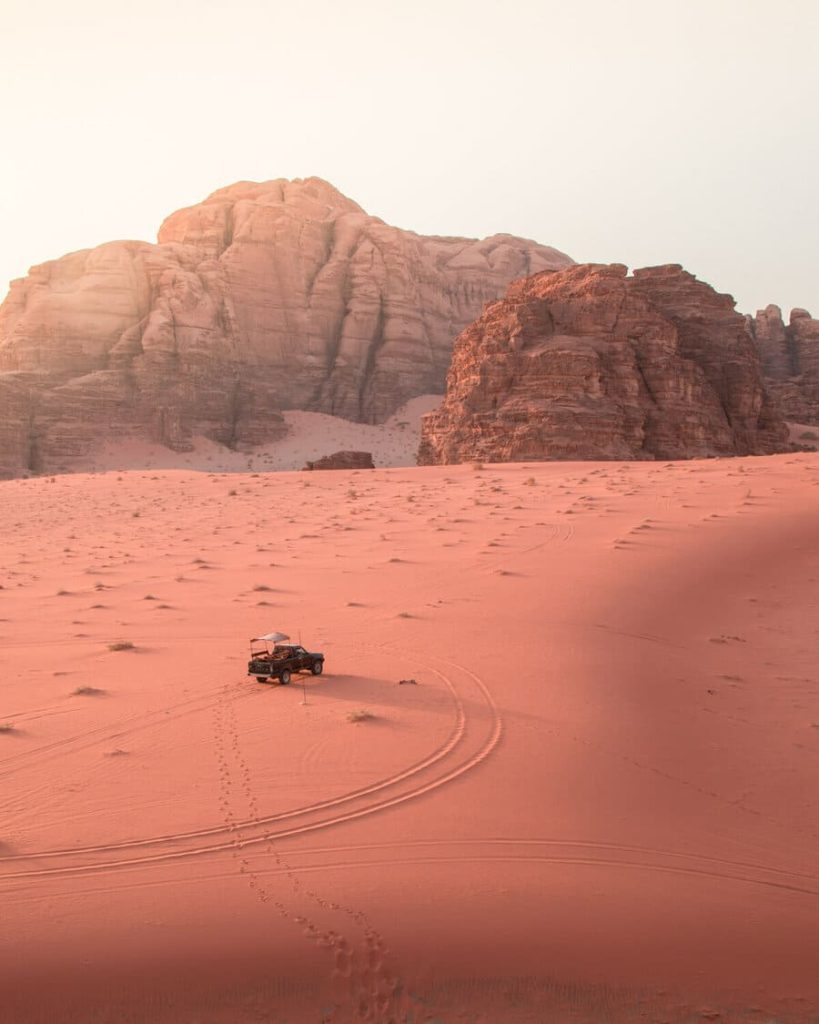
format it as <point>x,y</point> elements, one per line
<point>632,131</point>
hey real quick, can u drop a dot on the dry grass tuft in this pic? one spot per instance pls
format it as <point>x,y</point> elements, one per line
<point>121,645</point>
<point>88,691</point>
<point>7,727</point>
<point>362,715</point>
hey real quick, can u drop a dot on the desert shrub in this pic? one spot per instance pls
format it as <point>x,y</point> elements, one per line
<point>121,645</point>
<point>362,715</point>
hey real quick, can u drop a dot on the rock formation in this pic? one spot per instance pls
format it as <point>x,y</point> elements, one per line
<point>343,460</point>
<point>589,363</point>
<point>264,297</point>
<point>790,360</point>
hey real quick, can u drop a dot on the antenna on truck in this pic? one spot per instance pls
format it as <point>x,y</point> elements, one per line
<point>303,683</point>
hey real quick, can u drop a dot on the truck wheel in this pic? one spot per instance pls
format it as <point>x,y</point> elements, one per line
<point>284,678</point>
<point>261,679</point>
<point>317,667</point>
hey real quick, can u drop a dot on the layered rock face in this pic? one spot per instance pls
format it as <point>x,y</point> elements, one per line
<point>264,297</point>
<point>589,363</point>
<point>343,460</point>
<point>790,360</point>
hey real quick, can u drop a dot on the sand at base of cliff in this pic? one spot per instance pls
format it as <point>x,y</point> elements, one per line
<point>805,434</point>
<point>310,436</point>
<point>561,764</point>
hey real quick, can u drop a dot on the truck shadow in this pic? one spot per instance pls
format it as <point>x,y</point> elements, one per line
<point>371,691</point>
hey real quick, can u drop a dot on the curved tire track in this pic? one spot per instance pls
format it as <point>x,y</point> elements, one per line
<point>408,784</point>
<point>588,853</point>
<point>254,829</point>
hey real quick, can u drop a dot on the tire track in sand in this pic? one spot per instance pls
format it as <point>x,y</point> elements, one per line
<point>634,857</point>
<point>111,731</point>
<point>588,853</point>
<point>467,746</point>
<point>364,983</point>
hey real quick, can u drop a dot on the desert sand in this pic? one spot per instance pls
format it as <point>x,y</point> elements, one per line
<point>597,801</point>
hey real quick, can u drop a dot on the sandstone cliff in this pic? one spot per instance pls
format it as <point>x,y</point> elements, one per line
<point>589,363</point>
<point>264,297</point>
<point>790,360</point>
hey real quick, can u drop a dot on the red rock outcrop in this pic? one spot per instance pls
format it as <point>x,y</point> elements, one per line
<point>589,363</point>
<point>269,296</point>
<point>343,460</point>
<point>790,360</point>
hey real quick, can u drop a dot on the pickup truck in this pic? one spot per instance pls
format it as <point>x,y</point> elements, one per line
<point>280,661</point>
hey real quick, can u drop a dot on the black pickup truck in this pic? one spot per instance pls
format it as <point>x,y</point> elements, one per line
<point>280,661</point>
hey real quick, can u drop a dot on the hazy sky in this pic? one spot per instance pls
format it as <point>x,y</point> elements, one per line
<point>636,131</point>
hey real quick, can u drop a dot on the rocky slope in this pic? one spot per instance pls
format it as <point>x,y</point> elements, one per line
<point>284,294</point>
<point>589,363</point>
<point>790,360</point>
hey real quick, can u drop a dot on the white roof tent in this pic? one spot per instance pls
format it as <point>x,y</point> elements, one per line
<point>270,638</point>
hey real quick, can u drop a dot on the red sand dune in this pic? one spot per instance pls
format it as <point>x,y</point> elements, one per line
<point>598,802</point>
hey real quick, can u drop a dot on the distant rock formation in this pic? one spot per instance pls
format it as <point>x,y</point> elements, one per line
<point>343,460</point>
<point>790,360</point>
<point>589,363</point>
<point>264,297</point>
